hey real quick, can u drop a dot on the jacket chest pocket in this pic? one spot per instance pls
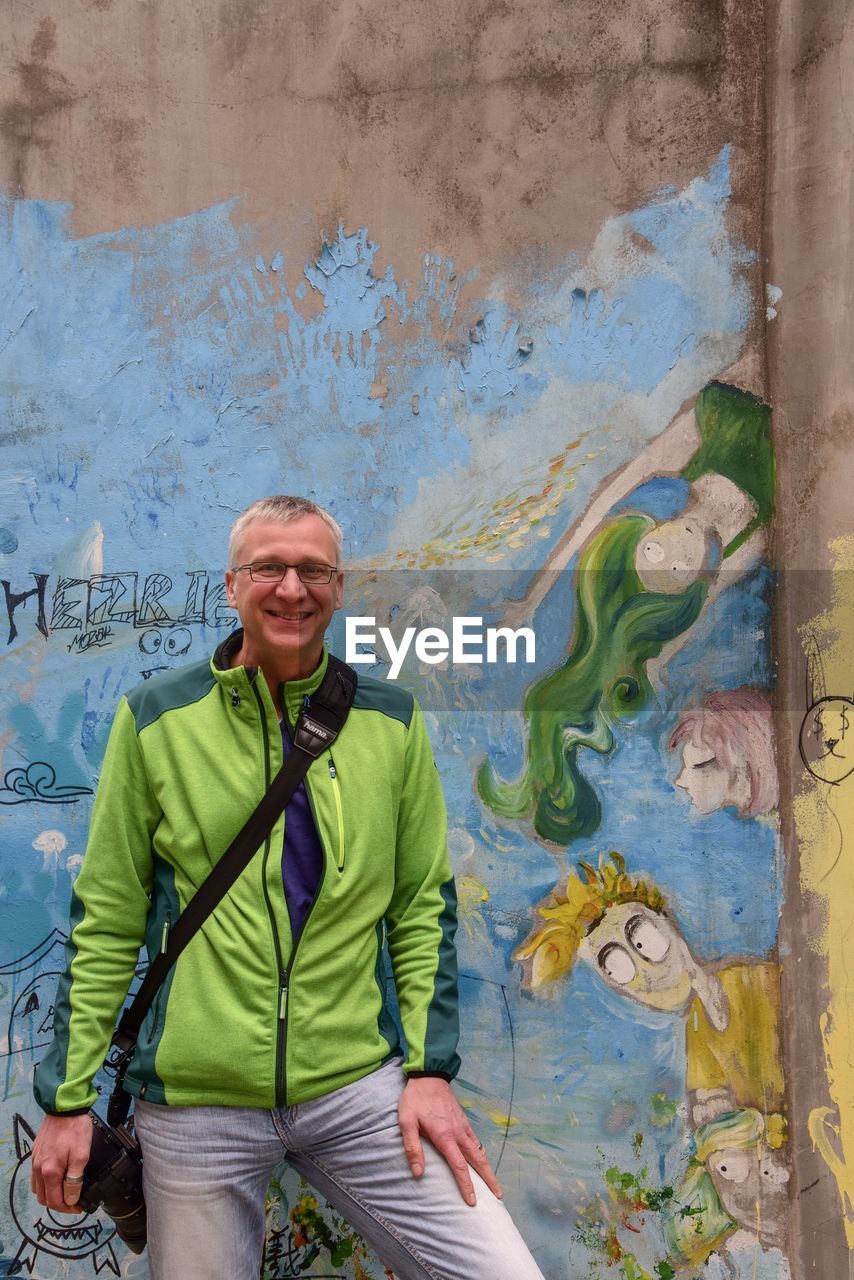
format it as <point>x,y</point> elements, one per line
<point>338,815</point>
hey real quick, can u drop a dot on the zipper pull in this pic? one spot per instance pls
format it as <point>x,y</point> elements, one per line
<point>164,935</point>
<point>283,998</point>
<point>332,772</point>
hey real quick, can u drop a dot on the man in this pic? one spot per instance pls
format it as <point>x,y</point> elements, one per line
<point>270,1039</point>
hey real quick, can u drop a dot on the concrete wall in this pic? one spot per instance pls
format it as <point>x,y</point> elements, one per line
<point>461,276</point>
<point>810,244</point>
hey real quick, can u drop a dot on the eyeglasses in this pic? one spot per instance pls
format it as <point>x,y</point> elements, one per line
<point>313,575</point>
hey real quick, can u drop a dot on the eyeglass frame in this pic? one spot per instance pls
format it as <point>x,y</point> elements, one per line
<point>316,582</point>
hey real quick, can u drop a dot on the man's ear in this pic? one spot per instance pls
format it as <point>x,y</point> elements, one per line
<point>339,589</point>
<point>229,586</point>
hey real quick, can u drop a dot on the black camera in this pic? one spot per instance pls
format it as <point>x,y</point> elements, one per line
<point>112,1180</point>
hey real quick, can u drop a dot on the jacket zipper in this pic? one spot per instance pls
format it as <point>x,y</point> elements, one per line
<point>280,966</point>
<point>339,812</point>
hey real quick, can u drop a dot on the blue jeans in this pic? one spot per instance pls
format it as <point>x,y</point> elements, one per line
<point>207,1169</point>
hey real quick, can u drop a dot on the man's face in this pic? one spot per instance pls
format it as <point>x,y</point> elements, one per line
<point>284,622</point>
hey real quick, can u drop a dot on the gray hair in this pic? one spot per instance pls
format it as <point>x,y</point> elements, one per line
<point>282,508</point>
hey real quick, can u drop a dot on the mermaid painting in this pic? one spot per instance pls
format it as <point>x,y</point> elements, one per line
<point>639,586</point>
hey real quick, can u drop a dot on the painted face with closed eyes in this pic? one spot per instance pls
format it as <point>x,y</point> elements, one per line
<point>711,782</point>
<point>641,953</point>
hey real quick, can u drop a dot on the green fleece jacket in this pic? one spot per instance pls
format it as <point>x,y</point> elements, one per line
<point>250,1016</point>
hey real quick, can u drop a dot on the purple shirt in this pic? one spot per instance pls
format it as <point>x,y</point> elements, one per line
<point>302,854</point>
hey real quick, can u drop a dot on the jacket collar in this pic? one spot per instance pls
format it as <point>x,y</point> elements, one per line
<point>294,692</point>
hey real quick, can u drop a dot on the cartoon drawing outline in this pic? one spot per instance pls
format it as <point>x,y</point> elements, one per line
<point>828,758</point>
<point>36,784</point>
<point>86,1236</point>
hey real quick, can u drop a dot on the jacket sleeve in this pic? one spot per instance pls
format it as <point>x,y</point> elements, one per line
<point>422,916</point>
<point>109,907</point>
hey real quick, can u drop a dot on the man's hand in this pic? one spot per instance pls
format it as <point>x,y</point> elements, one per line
<point>60,1152</point>
<point>428,1107</point>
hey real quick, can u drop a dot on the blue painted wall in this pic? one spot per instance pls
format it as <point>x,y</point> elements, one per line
<point>154,382</point>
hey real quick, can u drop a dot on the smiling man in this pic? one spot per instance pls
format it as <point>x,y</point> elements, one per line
<point>272,1038</point>
<point>284,607</point>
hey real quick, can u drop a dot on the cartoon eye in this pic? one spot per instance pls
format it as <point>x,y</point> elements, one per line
<point>642,936</point>
<point>150,641</point>
<point>733,1166</point>
<point>616,964</point>
<point>177,641</point>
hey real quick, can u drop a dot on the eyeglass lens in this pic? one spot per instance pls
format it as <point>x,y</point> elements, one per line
<point>275,570</point>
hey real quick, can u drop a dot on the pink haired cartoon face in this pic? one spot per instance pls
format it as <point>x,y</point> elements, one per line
<point>709,782</point>
<point>727,753</point>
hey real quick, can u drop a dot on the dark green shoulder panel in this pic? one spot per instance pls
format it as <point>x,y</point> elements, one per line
<point>384,696</point>
<point>168,691</point>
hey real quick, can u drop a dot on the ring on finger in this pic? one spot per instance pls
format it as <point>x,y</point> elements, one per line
<point>75,1181</point>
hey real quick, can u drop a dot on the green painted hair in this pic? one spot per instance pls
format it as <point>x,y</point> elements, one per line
<point>619,626</point>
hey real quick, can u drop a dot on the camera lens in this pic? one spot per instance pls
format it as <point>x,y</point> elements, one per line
<point>112,1180</point>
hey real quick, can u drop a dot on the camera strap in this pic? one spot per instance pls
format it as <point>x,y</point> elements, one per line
<point>317,727</point>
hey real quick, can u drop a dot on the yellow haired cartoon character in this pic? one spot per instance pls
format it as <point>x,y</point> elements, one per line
<point>621,927</point>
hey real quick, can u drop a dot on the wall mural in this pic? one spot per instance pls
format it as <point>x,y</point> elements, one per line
<point>591,460</point>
